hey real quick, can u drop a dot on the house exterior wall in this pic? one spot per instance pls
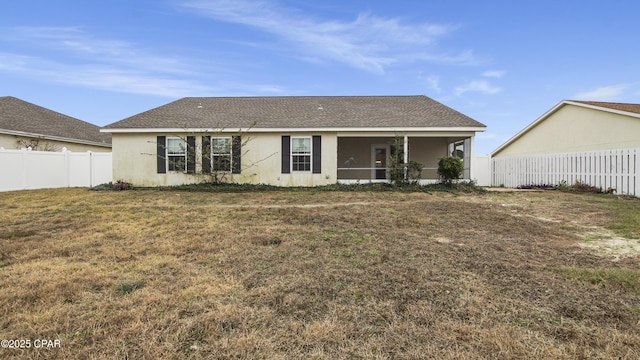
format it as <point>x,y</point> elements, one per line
<point>11,142</point>
<point>574,129</point>
<point>262,161</point>
<point>135,161</point>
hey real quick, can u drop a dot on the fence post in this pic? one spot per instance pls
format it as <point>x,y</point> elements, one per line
<point>24,168</point>
<point>67,168</point>
<point>90,168</point>
<point>636,173</point>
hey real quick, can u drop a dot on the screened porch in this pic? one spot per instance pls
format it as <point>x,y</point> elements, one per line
<point>367,159</point>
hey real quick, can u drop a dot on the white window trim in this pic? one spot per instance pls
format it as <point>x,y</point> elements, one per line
<point>291,154</point>
<point>230,153</point>
<point>166,153</point>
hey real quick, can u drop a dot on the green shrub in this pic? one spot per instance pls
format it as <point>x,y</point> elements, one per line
<point>401,173</point>
<point>581,187</point>
<point>414,172</point>
<point>450,168</point>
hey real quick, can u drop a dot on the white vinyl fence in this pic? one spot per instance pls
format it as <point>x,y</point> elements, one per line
<point>25,169</point>
<point>481,170</point>
<point>616,169</point>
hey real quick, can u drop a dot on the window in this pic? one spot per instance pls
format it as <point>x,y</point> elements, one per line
<point>301,153</point>
<point>176,154</point>
<point>221,153</point>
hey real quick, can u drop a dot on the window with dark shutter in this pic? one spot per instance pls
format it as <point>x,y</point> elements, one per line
<point>301,153</point>
<point>221,153</point>
<point>176,154</point>
<point>236,153</point>
<point>191,154</point>
<point>206,154</point>
<point>317,154</point>
<point>161,150</point>
<point>286,154</point>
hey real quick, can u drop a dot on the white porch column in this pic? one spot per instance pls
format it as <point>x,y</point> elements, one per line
<point>406,155</point>
<point>468,155</point>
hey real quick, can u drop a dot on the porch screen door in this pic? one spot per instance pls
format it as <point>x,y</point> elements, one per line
<point>380,162</point>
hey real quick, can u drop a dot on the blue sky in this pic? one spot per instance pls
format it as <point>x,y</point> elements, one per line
<point>501,62</point>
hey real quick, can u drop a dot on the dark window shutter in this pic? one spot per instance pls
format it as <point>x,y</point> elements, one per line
<point>191,154</point>
<point>206,154</point>
<point>316,151</point>
<point>161,148</point>
<point>286,154</point>
<point>236,154</point>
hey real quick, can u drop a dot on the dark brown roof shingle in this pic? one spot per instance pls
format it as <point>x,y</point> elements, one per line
<point>299,112</point>
<point>632,108</point>
<point>22,116</point>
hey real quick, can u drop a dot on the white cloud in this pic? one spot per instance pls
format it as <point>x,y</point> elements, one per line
<point>480,86</point>
<point>434,83</point>
<point>74,57</point>
<point>369,42</point>
<point>101,76</point>
<point>73,40</point>
<point>605,93</point>
<point>494,73</point>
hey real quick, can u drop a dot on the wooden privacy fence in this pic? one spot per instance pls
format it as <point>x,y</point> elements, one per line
<point>25,169</point>
<point>617,169</point>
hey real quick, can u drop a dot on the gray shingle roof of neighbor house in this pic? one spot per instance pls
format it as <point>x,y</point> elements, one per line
<point>632,108</point>
<point>297,112</point>
<point>20,117</point>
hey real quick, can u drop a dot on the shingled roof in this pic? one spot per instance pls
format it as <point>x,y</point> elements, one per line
<point>291,112</point>
<point>21,117</point>
<point>632,108</point>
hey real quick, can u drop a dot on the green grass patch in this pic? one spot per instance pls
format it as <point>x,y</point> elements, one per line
<point>17,234</point>
<point>127,287</point>
<point>626,221</point>
<point>628,279</point>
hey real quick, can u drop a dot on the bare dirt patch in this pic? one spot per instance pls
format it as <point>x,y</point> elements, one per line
<point>339,275</point>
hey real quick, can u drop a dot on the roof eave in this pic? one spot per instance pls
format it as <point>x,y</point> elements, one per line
<point>603,108</point>
<point>54,138</point>
<point>280,130</point>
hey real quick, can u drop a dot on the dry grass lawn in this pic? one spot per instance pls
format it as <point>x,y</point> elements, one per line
<point>325,275</point>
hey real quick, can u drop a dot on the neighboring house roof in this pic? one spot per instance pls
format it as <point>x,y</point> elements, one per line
<point>21,118</point>
<point>298,112</point>
<point>632,110</point>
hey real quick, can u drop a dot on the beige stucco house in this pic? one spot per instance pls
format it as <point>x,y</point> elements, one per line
<point>577,126</point>
<point>287,141</point>
<point>26,125</point>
